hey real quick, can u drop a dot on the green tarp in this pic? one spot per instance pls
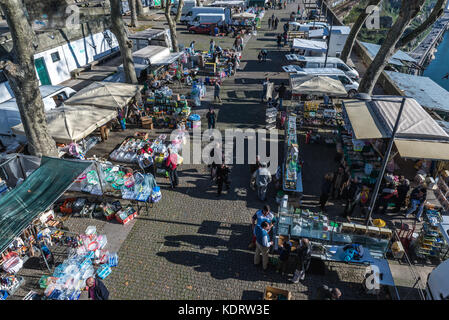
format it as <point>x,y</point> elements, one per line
<point>20,206</point>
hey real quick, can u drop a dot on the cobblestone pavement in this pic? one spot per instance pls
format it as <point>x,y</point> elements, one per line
<point>192,245</point>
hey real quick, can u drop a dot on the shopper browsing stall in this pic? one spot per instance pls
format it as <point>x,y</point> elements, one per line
<point>263,244</point>
<point>260,216</point>
<point>303,258</point>
<point>223,178</point>
<point>171,165</point>
<point>351,194</point>
<point>417,201</point>
<point>96,289</point>
<point>325,190</point>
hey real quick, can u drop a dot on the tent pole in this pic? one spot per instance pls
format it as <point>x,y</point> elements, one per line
<point>384,163</point>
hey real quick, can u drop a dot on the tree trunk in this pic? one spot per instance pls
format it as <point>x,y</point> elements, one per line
<point>24,82</point>
<point>346,53</point>
<point>132,7</point>
<point>409,10</point>
<point>139,8</point>
<point>171,26</point>
<point>179,11</point>
<point>118,28</point>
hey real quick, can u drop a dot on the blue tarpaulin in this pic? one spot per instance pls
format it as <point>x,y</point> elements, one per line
<point>20,206</point>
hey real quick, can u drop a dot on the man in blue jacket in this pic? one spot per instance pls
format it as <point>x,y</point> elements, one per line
<point>263,244</point>
<point>97,290</point>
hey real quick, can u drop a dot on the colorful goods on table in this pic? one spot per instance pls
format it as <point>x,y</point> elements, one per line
<point>69,278</point>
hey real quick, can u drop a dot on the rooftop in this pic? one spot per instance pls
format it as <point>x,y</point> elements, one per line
<point>397,58</point>
<point>427,92</point>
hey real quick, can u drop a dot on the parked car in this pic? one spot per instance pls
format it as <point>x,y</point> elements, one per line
<point>204,28</point>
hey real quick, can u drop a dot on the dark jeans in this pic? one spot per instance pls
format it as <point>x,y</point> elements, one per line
<point>220,184</point>
<point>211,125</point>
<point>323,200</point>
<point>381,202</point>
<point>173,174</point>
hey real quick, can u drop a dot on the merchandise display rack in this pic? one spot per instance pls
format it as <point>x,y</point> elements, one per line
<point>291,168</point>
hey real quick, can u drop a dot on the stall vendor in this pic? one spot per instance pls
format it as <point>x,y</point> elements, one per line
<point>96,289</point>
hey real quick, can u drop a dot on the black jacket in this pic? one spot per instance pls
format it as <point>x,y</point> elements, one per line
<point>352,192</point>
<point>100,291</point>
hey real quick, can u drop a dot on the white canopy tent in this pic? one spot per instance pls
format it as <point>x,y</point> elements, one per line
<point>71,123</point>
<point>418,136</point>
<point>110,95</point>
<point>311,45</point>
<point>316,85</point>
<point>244,15</point>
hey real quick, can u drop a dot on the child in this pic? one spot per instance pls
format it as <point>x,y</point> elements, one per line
<point>284,254</point>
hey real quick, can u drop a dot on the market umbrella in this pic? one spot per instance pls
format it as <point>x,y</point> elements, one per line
<point>317,85</point>
<point>68,124</point>
<point>111,95</point>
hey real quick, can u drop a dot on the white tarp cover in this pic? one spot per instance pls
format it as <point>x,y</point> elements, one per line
<point>316,85</point>
<point>172,57</point>
<point>70,123</point>
<point>415,121</point>
<point>376,119</point>
<point>110,95</point>
<point>149,54</point>
<point>311,45</point>
<point>244,15</point>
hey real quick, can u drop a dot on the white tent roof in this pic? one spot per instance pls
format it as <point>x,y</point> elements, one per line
<point>376,119</point>
<point>111,95</point>
<point>72,123</point>
<point>312,45</point>
<point>317,85</point>
<point>244,15</point>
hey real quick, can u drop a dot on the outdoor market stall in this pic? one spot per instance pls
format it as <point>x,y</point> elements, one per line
<point>335,241</point>
<point>291,168</point>
<point>110,95</point>
<point>24,214</point>
<point>71,124</point>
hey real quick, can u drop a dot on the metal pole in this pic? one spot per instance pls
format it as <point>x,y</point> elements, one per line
<point>328,41</point>
<point>384,163</point>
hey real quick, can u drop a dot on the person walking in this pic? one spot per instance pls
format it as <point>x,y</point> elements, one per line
<point>263,178</point>
<point>351,193</point>
<point>263,244</point>
<point>264,55</point>
<point>171,165</point>
<point>340,177</point>
<point>265,89</point>
<point>223,178</point>
<point>211,119</point>
<point>303,258</point>
<point>192,46</point>
<point>276,22</point>
<point>211,46</point>
<point>217,88</point>
<point>269,23</point>
<point>96,289</point>
<point>279,41</point>
<point>259,56</point>
<point>325,190</point>
<point>417,201</point>
<point>285,38</point>
<point>403,189</point>
<point>281,94</point>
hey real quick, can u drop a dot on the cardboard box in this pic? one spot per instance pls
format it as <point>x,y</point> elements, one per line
<point>397,249</point>
<point>149,126</point>
<point>272,293</point>
<point>146,120</point>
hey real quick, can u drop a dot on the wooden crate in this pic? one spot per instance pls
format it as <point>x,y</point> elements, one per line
<point>271,293</point>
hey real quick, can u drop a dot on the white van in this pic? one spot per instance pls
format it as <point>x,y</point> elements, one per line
<point>193,12</point>
<point>350,85</point>
<point>318,62</point>
<point>437,287</point>
<point>188,4</point>
<point>208,18</point>
<point>52,97</point>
